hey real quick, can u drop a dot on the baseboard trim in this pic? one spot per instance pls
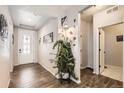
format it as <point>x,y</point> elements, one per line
<point>8,83</point>
<point>83,67</point>
<point>49,70</point>
<point>86,67</point>
<point>11,70</point>
<point>90,67</point>
<point>95,73</point>
<point>23,64</point>
<point>76,81</point>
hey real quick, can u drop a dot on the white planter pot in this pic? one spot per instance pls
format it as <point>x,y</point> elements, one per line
<point>65,75</point>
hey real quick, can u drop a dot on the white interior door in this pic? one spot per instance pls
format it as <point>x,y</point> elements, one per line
<point>26,46</point>
<point>102,50</point>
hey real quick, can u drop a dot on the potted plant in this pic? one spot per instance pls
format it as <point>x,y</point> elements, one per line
<point>65,62</point>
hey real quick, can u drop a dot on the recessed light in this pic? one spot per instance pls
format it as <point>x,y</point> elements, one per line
<point>29,20</point>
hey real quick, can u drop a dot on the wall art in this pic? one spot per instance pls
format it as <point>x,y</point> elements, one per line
<point>119,38</point>
<point>48,38</point>
<point>3,28</point>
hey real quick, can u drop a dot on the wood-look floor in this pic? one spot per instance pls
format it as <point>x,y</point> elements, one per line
<point>35,76</point>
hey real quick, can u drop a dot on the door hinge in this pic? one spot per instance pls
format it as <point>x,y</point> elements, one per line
<point>99,33</point>
<point>99,66</point>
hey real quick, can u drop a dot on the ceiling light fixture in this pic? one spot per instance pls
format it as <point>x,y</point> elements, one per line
<point>29,20</point>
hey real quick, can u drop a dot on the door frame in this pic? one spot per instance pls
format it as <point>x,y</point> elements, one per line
<point>34,49</point>
<point>98,69</point>
<point>99,48</point>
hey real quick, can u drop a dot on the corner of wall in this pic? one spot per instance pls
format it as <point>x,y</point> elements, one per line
<point>8,83</point>
<point>76,81</point>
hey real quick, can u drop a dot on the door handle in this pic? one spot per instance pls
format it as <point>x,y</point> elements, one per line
<point>20,51</point>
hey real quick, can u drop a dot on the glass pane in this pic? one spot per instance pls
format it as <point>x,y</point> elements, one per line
<point>26,44</point>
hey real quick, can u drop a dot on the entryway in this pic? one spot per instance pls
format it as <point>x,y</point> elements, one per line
<point>25,46</point>
<point>111,51</point>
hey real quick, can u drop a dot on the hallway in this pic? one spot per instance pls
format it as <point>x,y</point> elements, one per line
<point>30,37</point>
<point>35,76</point>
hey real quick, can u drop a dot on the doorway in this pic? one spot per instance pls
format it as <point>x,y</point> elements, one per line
<point>111,51</point>
<point>87,36</point>
<point>26,46</point>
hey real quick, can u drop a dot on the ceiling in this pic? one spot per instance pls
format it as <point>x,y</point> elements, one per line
<point>35,16</point>
<point>26,19</point>
<point>87,14</point>
<point>117,27</point>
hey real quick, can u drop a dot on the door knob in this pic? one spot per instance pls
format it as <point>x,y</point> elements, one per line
<point>20,51</point>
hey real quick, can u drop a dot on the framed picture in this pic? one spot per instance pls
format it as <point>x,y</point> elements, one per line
<point>119,38</point>
<point>48,38</point>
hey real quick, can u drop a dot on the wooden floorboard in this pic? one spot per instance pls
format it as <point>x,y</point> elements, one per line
<point>35,76</point>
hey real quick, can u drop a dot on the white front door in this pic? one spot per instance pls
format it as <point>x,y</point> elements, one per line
<point>102,51</point>
<point>26,46</point>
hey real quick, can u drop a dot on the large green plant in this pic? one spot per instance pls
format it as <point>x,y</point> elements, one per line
<point>65,61</point>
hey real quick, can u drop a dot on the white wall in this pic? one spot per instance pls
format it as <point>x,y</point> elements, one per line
<point>74,13</point>
<point>71,15</point>
<point>5,51</point>
<point>113,49</point>
<point>16,36</point>
<point>44,56</point>
<point>102,19</point>
<point>90,45</point>
<point>45,49</point>
<point>11,47</point>
<point>15,51</point>
<point>86,43</point>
